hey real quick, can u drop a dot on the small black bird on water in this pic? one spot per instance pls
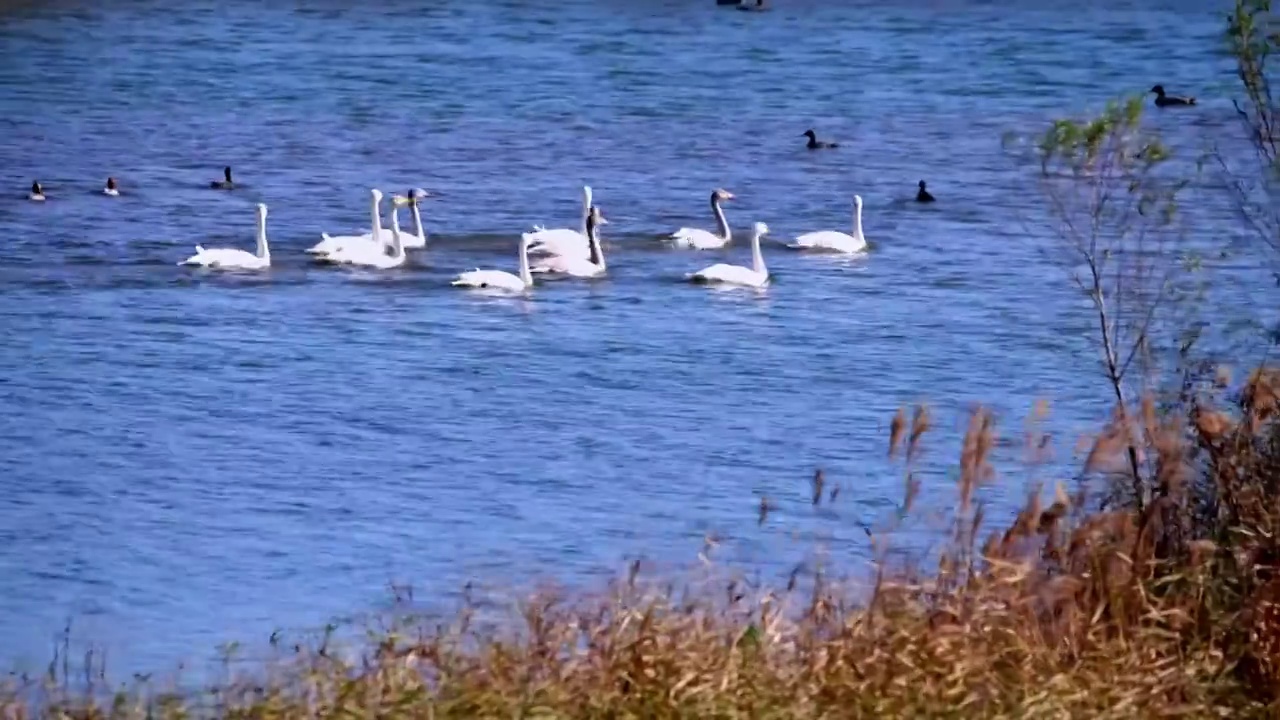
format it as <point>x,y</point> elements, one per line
<point>1163,100</point>
<point>923,195</point>
<point>223,184</point>
<point>814,143</point>
<point>758,6</point>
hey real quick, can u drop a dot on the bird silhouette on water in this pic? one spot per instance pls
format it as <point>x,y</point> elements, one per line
<point>816,144</point>
<point>1165,100</point>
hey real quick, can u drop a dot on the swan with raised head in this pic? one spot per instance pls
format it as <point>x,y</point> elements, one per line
<point>500,279</point>
<point>37,192</point>
<point>564,241</point>
<point>332,243</point>
<point>590,266</point>
<point>700,239</point>
<point>722,273</point>
<point>374,254</point>
<point>833,240</point>
<point>234,258</point>
<point>111,188</point>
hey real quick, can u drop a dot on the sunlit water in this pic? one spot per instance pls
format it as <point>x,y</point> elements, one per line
<point>189,459</point>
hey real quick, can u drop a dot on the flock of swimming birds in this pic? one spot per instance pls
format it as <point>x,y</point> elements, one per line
<point>574,252</point>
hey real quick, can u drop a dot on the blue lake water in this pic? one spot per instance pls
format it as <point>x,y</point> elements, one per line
<point>187,459</point>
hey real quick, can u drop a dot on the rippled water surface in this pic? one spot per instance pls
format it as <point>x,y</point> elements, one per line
<point>187,458</point>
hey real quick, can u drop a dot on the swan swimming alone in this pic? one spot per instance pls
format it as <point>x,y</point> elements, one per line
<point>37,192</point>
<point>833,240</point>
<point>721,273</point>
<point>700,239</point>
<point>564,241</point>
<point>234,258</point>
<point>590,266</point>
<point>332,243</point>
<point>111,188</point>
<point>500,279</point>
<point>374,254</point>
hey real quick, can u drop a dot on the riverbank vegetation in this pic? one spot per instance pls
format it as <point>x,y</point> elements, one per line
<point>1148,585</point>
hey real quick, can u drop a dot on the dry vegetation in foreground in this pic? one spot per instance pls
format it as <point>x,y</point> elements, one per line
<point>1164,611</point>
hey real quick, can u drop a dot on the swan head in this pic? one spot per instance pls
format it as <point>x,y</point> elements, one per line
<point>262,211</point>
<point>594,218</point>
<point>857,199</point>
<point>377,194</point>
<point>720,195</point>
<point>760,229</point>
<point>416,194</point>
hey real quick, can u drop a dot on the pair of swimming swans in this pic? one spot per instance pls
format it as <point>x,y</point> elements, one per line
<point>830,240</point>
<point>335,244</point>
<point>370,250</point>
<point>571,264</point>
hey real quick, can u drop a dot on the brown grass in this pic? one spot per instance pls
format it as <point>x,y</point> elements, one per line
<point>1171,611</point>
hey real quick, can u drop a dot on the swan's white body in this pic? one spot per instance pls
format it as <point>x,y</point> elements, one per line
<point>563,241</point>
<point>700,239</point>
<point>833,240</point>
<point>591,266</point>
<point>374,254</point>
<point>234,258</point>
<point>500,279</point>
<point>333,243</point>
<point>722,273</point>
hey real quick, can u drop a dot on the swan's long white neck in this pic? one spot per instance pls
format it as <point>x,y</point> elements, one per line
<point>857,220</point>
<point>721,223</point>
<point>757,258</point>
<point>526,277</point>
<point>417,223</point>
<point>375,218</point>
<point>593,239</point>
<point>264,252</point>
<point>397,245</point>
<point>586,207</point>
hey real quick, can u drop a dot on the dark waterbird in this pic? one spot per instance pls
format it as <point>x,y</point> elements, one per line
<point>814,143</point>
<point>224,184</point>
<point>37,192</point>
<point>757,6</point>
<point>923,195</point>
<point>1163,100</point>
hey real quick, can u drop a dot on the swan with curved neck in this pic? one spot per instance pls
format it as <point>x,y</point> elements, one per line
<point>832,240</point>
<point>724,274</point>
<point>234,258</point>
<point>591,266</point>
<point>700,239</point>
<point>564,241</point>
<point>373,254</point>
<point>500,279</point>
<point>333,243</point>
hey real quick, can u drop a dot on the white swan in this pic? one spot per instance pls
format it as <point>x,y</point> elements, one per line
<point>500,279</point>
<point>234,258</point>
<point>37,192</point>
<point>833,240</point>
<point>374,254</point>
<point>590,266</point>
<point>332,243</point>
<point>111,188</point>
<point>755,276</point>
<point>564,241</point>
<point>699,239</point>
